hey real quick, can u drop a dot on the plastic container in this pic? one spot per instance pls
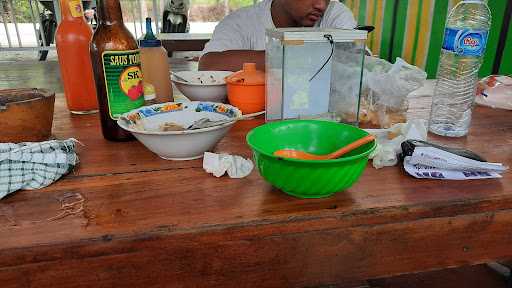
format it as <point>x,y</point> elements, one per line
<point>246,89</point>
<point>72,39</point>
<point>463,49</point>
<point>155,68</point>
<point>309,178</point>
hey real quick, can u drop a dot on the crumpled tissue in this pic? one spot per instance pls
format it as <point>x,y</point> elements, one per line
<point>219,164</point>
<point>389,141</point>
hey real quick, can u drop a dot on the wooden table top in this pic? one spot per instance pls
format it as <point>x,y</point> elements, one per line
<point>184,41</point>
<point>136,219</point>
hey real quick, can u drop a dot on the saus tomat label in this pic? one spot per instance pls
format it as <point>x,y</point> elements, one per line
<point>123,81</point>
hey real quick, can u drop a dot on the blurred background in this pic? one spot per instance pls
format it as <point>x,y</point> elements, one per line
<point>410,29</point>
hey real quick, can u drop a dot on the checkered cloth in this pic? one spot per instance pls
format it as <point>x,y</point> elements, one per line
<point>35,165</point>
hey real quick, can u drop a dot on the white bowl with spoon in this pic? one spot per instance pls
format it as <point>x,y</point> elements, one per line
<point>202,85</point>
<point>177,131</point>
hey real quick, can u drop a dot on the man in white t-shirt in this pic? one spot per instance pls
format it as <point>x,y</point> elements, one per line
<point>240,36</point>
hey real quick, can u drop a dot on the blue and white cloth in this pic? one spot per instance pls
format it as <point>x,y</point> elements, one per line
<point>34,165</point>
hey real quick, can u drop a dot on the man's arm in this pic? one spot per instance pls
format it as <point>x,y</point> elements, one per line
<point>231,60</point>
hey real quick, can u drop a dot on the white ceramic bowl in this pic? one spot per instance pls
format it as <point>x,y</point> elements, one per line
<point>202,85</point>
<point>179,145</point>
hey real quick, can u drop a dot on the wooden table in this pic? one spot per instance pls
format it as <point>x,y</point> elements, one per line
<point>184,41</point>
<point>147,222</point>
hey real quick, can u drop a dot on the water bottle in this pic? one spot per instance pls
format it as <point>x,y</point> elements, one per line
<point>463,49</point>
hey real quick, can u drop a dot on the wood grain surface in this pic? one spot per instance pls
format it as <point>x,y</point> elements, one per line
<point>132,219</point>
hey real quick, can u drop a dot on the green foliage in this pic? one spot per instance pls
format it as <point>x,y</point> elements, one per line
<point>233,4</point>
<point>240,3</point>
<point>23,12</point>
<point>21,9</point>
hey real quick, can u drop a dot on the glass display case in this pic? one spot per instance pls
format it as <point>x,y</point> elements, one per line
<point>314,73</point>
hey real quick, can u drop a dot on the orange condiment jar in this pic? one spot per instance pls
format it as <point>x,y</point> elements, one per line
<point>72,38</point>
<point>246,89</point>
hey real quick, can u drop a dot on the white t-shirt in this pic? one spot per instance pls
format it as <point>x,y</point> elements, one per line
<point>244,29</point>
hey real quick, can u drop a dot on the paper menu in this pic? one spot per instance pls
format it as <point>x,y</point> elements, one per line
<point>433,163</point>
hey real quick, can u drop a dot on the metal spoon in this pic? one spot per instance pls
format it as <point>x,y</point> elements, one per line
<point>206,122</point>
<point>179,77</point>
<point>297,154</point>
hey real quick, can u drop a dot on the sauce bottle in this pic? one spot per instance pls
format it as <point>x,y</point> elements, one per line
<point>155,67</point>
<point>117,72</point>
<point>72,38</point>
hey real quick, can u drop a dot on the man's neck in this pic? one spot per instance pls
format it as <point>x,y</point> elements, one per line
<point>280,16</point>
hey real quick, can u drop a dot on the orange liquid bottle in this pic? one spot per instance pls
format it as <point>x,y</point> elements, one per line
<point>73,38</point>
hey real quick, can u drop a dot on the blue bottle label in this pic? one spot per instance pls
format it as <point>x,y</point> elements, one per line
<point>465,42</point>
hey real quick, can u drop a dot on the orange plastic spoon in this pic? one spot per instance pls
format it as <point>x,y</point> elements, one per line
<point>297,154</point>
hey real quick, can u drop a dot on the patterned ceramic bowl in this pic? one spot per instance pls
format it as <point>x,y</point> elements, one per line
<point>163,128</point>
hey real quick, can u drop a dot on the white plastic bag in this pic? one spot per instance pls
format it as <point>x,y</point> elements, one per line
<point>389,141</point>
<point>386,87</point>
<point>495,91</point>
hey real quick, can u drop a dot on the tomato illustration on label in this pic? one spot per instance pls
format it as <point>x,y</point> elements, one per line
<point>130,82</point>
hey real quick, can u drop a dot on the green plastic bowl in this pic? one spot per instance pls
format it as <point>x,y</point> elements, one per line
<point>309,178</point>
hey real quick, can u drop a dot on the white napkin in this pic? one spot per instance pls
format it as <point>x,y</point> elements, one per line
<point>218,164</point>
<point>386,153</point>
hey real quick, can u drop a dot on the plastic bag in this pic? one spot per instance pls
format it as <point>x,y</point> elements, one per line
<point>389,141</point>
<point>495,91</point>
<point>385,90</point>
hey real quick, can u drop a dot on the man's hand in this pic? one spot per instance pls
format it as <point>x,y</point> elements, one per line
<point>231,60</point>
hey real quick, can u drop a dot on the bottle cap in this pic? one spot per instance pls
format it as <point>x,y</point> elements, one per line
<point>149,39</point>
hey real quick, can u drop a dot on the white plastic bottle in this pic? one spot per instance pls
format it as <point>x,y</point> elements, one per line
<point>463,49</point>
